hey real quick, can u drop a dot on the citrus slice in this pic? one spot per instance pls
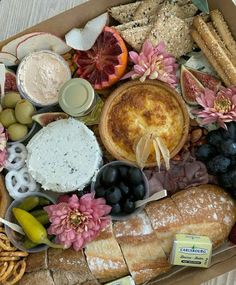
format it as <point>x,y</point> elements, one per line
<point>105,63</point>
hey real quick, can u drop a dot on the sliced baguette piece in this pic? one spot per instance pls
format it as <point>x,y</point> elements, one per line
<point>41,277</point>
<point>141,249</point>
<point>147,8</point>
<point>69,260</point>
<point>104,257</point>
<point>124,13</point>
<point>166,221</point>
<point>174,32</point>
<point>134,24</point>
<point>61,277</point>
<point>135,37</point>
<point>206,210</point>
<point>37,261</point>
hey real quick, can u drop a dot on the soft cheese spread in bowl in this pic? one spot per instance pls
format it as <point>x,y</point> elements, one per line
<point>64,156</point>
<point>40,76</point>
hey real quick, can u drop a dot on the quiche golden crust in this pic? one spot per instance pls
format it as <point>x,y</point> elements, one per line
<point>137,107</point>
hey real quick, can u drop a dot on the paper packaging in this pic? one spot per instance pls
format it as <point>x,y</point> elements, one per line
<point>191,250</point>
<point>59,25</point>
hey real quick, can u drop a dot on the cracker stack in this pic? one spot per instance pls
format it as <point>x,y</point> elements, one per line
<point>156,20</point>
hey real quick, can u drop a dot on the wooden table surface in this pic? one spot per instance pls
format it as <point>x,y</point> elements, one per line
<point>17,15</point>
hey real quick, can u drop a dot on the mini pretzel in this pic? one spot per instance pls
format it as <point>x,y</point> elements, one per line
<point>5,243</point>
<point>9,258</point>
<point>3,268</point>
<point>14,254</point>
<point>8,271</point>
<point>18,272</point>
<point>20,182</point>
<point>17,154</point>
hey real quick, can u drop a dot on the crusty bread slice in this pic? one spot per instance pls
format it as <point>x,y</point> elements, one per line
<point>124,13</point>
<point>135,37</point>
<point>147,8</point>
<point>37,261</point>
<point>174,32</point>
<point>134,24</point>
<point>41,277</point>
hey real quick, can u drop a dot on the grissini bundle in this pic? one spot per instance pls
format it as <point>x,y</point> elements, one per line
<point>215,48</point>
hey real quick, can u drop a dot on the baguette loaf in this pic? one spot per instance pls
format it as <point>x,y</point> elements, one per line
<point>145,240</point>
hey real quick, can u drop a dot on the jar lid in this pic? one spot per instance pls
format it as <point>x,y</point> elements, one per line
<point>76,96</point>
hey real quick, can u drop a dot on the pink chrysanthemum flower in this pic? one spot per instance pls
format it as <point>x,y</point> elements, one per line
<point>78,221</point>
<point>218,108</point>
<point>3,144</point>
<point>153,63</point>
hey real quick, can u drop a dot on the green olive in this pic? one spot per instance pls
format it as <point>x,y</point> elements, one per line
<point>7,117</point>
<point>17,131</point>
<point>24,111</point>
<point>10,99</point>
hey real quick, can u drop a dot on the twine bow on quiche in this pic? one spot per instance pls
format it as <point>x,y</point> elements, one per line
<point>150,140</point>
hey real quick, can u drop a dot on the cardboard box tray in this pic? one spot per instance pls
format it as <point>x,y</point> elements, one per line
<point>224,258</point>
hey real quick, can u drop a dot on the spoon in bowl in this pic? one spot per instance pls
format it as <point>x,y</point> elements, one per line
<point>157,196</point>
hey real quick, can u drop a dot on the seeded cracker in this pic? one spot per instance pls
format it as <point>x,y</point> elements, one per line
<point>147,8</point>
<point>134,24</point>
<point>124,13</point>
<point>136,36</point>
<point>174,32</point>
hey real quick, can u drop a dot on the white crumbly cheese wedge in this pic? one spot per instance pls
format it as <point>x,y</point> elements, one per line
<point>64,156</point>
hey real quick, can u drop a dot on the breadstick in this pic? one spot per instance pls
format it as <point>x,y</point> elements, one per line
<point>216,50</point>
<point>223,30</point>
<point>197,38</point>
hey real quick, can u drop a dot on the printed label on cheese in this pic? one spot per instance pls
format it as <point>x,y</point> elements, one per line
<point>191,250</point>
<point>122,281</point>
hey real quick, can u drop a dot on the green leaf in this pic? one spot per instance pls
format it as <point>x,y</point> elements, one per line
<point>202,5</point>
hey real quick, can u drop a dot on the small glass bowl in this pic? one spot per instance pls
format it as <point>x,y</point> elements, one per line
<point>21,66</point>
<point>123,216</point>
<point>14,237</point>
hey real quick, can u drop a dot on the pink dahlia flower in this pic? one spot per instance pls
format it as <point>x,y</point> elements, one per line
<point>78,221</point>
<point>3,145</point>
<point>218,108</point>
<point>153,63</point>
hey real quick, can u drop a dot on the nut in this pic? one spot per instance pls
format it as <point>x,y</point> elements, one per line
<point>196,135</point>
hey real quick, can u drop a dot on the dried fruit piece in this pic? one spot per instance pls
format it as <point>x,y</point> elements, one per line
<point>207,80</point>
<point>190,86</point>
<point>10,82</point>
<point>45,118</point>
<point>105,63</point>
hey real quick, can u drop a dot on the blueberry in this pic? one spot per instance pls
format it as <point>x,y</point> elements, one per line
<point>218,164</point>
<point>139,192</point>
<point>228,147</point>
<point>124,189</point>
<point>115,209</point>
<point>225,180</point>
<point>135,176</point>
<point>205,151</point>
<point>123,170</point>
<point>128,206</point>
<point>230,133</point>
<point>214,138</point>
<point>233,161</point>
<point>100,192</point>
<point>110,176</point>
<point>113,195</point>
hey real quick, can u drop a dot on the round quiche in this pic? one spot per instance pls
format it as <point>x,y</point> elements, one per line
<point>137,107</point>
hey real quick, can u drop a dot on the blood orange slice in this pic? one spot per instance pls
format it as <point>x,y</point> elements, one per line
<point>105,63</point>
